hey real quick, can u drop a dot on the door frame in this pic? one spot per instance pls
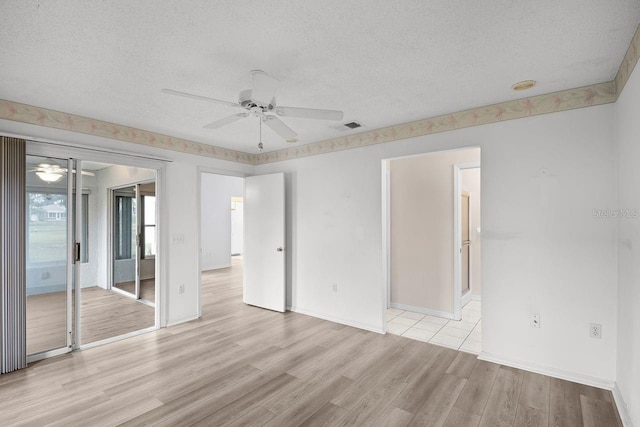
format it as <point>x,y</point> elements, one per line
<point>111,191</point>
<point>457,234</point>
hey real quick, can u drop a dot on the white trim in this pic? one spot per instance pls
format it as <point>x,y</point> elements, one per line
<point>423,310</point>
<point>69,262</point>
<point>476,298</point>
<point>622,406</point>
<point>61,148</point>
<point>457,256</point>
<point>183,320</point>
<point>386,241</point>
<point>162,255</point>
<point>334,319</point>
<point>466,298</point>
<point>551,372</point>
<point>118,338</point>
<point>78,264</point>
<point>46,354</point>
<point>217,267</point>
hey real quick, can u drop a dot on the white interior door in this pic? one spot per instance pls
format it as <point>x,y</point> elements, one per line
<point>264,237</point>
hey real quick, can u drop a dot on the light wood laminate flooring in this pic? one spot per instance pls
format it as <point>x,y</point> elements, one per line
<point>147,289</point>
<point>241,365</point>
<point>105,314</point>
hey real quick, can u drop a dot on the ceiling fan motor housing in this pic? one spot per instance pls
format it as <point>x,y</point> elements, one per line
<point>247,102</point>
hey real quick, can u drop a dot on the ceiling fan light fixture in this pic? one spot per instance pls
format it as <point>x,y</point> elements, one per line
<point>524,85</point>
<point>49,177</point>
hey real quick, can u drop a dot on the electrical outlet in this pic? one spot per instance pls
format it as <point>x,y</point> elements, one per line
<point>181,289</point>
<point>595,330</point>
<point>334,287</point>
<point>535,320</point>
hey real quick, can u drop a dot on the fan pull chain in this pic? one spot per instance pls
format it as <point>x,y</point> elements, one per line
<point>260,146</point>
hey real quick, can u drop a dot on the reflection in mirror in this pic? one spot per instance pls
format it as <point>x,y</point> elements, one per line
<point>46,257</point>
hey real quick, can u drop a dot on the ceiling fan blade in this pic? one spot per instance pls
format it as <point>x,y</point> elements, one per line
<point>309,113</point>
<point>198,97</point>
<point>279,127</point>
<point>87,173</point>
<point>226,120</point>
<point>264,87</point>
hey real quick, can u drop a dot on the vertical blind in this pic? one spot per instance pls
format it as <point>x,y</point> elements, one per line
<point>13,348</point>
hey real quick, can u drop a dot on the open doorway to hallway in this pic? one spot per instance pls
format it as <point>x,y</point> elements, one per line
<point>242,224</point>
<point>433,248</point>
<point>221,230</point>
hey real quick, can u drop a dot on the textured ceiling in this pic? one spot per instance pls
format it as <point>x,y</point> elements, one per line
<point>381,62</point>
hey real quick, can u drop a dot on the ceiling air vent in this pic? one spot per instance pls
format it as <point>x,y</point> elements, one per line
<point>353,125</point>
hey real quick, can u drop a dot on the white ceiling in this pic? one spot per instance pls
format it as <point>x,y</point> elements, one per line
<point>382,62</point>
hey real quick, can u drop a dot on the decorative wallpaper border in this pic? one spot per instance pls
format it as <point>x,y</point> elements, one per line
<point>588,96</point>
<point>628,63</point>
<point>54,119</point>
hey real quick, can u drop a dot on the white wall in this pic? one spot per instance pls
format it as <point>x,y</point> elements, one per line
<point>237,229</point>
<point>628,144</point>
<point>471,183</point>
<point>422,227</point>
<point>542,250</point>
<point>215,216</point>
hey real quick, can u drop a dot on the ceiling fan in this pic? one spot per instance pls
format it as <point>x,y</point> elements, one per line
<point>49,171</point>
<point>261,102</point>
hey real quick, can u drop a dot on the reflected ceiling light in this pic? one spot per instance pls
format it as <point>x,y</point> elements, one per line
<point>49,176</point>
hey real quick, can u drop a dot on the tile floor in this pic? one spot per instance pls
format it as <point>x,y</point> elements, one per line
<point>464,335</point>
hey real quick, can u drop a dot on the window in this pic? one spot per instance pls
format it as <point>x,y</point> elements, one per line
<point>149,226</point>
<point>125,224</point>
<point>47,227</point>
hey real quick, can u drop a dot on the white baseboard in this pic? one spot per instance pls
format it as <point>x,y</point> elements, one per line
<point>466,299</point>
<point>622,406</point>
<point>551,372</point>
<point>423,310</point>
<point>179,321</point>
<point>216,267</point>
<point>335,319</point>
<point>476,298</point>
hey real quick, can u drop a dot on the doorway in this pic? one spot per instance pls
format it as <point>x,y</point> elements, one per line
<point>429,257</point>
<point>221,229</point>
<point>70,304</point>
<point>242,235</point>
<point>467,233</point>
<point>133,240</point>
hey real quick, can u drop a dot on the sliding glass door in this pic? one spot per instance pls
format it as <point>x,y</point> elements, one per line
<point>53,215</point>
<point>91,248</point>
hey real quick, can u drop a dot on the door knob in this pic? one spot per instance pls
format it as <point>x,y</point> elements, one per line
<point>280,249</point>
